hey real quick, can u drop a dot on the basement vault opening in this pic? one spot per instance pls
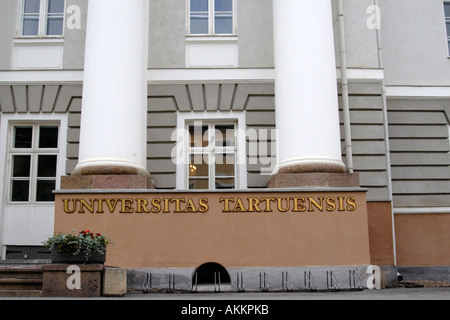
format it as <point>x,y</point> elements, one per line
<point>210,274</point>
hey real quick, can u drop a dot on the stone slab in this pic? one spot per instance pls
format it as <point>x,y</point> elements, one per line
<point>314,179</point>
<point>114,282</point>
<point>112,181</point>
<point>56,278</point>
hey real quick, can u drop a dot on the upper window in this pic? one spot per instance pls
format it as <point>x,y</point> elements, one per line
<point>33,154</point>
<point>211,17</point>
<point>40,18</point>
<point>447,21</point>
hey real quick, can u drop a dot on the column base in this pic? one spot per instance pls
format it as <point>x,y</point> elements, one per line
<point>108,177</point>
<point>314,179</point>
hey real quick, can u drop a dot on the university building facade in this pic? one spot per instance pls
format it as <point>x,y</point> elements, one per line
<point>254,134</point>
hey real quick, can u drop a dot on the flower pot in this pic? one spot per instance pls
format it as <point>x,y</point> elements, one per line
<point>80,258</point>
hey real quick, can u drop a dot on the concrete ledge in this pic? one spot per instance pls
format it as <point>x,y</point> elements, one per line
<point>431,273</point>
<point>262,279</point>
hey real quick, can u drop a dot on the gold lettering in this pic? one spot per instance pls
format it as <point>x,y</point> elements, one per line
<point>341,204</point>
<point>111,204</point>
<point>351,201</point>
<point>253,205</point>
<point>299,205</point>
<point>66,206</point>
<point>226,204</point>
<point>100,205</point>
<point>88,206</point>
<point>331,205</point>
<point>268,206</point>
<point>190,207</point>
<point>166,206</point>
<point>279,200</point>
<point>203,203</point>
<point>156,205</point>
<point>141,206</point>
<point>177,204</point>
<point>126,206</point>
<point>239,207</point>
<point>312,202</point>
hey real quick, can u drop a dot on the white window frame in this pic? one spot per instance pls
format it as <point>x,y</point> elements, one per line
<point>211,21</point>
<point>210,152</point>
<point>34,152</point>
<point>6,123</point>
<point>181,151</point>
<point>43,15</point>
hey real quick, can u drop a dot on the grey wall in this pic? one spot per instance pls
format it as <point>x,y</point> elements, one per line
<point>360,41</point>
<point>167,32</point>
<point>8,28</point>
<point>419,141</point>
<point>255,33</point>
<point>415,42</point>
<point>74,39</point>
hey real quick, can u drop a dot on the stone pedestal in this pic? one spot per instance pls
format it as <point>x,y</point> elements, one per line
<point>109,181</point>
<point>62,280</point>
<point>314,179</point>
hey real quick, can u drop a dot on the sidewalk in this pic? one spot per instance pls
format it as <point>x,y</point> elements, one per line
<point>385,294</point>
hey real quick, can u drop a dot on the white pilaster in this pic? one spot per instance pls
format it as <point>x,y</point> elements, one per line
<point>307,114</point>
<point>114,110</point>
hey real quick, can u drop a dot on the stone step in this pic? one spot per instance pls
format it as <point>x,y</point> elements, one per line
<point>21,280</point>
<point>20,293</point>
<point>20,284</point>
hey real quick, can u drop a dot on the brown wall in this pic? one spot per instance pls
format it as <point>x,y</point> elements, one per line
<point>380,233</point>
<point>233,239</point>
<point>423,239</point>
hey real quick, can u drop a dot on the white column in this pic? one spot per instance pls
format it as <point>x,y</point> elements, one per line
<point>306,98</point>
<point>114,110</point>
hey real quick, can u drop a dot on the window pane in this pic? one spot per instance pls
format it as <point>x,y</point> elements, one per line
<point>30,25</point>
<point>31,6</point>
<point>196,184</point>
<point>448,29</point>
<point>55,6</point>
<point>225,183</point>
<point>223,23</point>
<point>223,5</point>
<point>198,165</point>
<point>21,166</point>
<point>20,190</point>
<point>225,165</point>
<point>224,135</point>
<point>55,25</point>
<point>44,190</point>
<point>199,23</point>
<point>23,137</point>
<point>199,5</point>
<point>46,166</point>
<point>48,137</point>
<point>198,136</point>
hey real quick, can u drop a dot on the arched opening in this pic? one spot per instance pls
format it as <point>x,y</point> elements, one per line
<point>212,275</point>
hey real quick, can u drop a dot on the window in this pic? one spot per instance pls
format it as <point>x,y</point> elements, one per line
<point>447,22</point>
<point>211,155</point>
<point>33,157</point>
<point>41,18</point>
<point>211,17</point>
